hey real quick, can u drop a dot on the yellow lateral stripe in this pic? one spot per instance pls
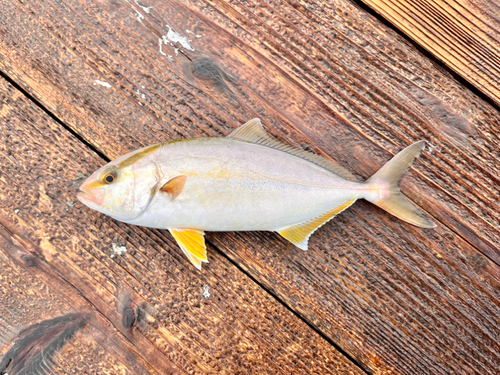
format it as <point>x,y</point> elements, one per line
<point>94,184</point>
<point>139,155</point>
<point>299,234</point>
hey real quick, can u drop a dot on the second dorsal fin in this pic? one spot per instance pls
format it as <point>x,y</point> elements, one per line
<point>253,132</point>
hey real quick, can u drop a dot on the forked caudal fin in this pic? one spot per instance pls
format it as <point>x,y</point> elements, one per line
<point>386,193</point>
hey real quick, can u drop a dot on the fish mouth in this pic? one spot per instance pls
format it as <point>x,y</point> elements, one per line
<point>89,198</point>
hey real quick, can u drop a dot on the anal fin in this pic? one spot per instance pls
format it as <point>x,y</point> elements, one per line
<point>299,234</point>
<point>192,243</point>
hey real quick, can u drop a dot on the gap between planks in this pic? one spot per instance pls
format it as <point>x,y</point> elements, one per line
<point>377,10</point>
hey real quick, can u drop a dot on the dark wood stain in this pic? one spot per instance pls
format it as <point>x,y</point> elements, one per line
<point>324,76</point>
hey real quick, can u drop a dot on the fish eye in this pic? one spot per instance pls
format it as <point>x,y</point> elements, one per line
<point>109,177</point>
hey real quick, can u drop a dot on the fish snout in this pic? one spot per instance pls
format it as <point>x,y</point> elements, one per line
<point>91,197</point>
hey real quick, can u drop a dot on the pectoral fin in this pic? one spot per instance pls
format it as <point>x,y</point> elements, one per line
<point>299,234</point>
<point>174,186</point>
<point>192,242</point>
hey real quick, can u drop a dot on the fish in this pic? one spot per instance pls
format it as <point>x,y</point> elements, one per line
<point>247,181</point>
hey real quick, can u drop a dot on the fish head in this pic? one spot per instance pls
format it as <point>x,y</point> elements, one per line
<point>123,188</point>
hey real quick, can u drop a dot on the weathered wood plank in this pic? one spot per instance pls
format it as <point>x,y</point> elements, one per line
<point>236,328</point>
<point>395,297</point>
<point>465,35</point>
<point>444,121</point>
<point>32,291</point>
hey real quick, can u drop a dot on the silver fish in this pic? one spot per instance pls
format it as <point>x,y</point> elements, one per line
<point>247,181</point>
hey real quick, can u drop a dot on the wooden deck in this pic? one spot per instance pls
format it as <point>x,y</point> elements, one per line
<point>83,82</point>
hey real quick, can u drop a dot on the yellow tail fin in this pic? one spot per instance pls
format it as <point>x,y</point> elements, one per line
<point>386,183</point>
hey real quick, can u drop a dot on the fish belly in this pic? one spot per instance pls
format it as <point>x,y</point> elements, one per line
<point>233,185</point>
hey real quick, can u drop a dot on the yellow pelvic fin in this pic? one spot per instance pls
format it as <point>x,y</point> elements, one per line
<point>299,234</point>
<point>192,242</point>
<point>174,186</point>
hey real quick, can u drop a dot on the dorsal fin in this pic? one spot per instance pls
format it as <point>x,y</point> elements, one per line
<point>253,132</point>
<point>299,234</point>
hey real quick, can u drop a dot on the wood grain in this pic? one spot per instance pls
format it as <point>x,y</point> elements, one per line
<point>32,291</point>
<point>237,329</point>
<point>464,34</point>
<point>324,76</point>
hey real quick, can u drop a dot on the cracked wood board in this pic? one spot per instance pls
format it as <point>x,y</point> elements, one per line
<point>31,292</point>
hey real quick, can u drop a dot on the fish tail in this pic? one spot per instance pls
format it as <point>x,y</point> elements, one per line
<point>384,188</point>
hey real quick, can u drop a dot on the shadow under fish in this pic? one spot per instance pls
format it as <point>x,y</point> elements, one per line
<point>35,345</point>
